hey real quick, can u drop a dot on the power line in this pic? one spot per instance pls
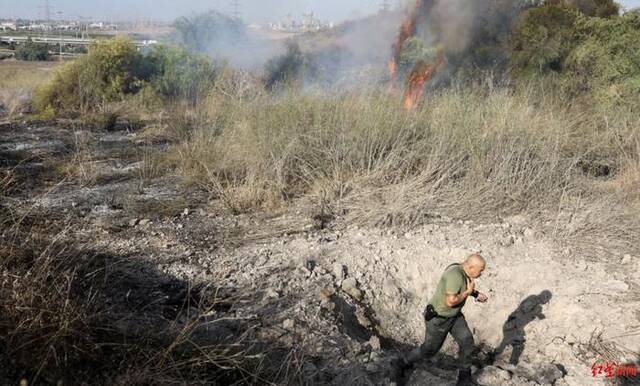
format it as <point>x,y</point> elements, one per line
<point>235,9</point>
<point>46,10</point>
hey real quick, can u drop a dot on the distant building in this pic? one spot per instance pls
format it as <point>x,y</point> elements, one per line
<point>308,24</point>
<point>8,26</point>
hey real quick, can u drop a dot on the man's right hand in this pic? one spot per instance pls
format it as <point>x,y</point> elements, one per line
<point>471,286</point>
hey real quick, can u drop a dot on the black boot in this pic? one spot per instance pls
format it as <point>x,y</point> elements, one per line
<point>464,378</point>
<point>400,369</point>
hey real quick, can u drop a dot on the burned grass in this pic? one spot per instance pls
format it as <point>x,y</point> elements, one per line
<point>74,315</point>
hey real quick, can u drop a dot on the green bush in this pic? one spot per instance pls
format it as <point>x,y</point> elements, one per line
<point>414,51</point>
<point>588,56</point>
<point>599,8</point>
<point>114,70</point>
<point>109,72</point>
<point>32,51</point>
<point>544,39</point>
<point>606,62</point>
<point>287,67</point>
<point>178,73</point>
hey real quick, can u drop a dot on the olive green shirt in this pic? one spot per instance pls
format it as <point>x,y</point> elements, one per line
<point>453,281</point>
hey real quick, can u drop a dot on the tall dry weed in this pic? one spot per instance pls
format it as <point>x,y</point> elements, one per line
<point>468,152</point>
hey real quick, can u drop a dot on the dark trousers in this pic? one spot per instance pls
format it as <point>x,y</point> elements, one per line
<point>436,332</point>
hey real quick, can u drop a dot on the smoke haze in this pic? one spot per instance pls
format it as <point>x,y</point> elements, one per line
<point>253,11</point>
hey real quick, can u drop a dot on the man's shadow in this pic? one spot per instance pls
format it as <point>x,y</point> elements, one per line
<point>513,329</point>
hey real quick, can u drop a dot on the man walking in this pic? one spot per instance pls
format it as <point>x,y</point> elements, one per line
<point>443,316</point>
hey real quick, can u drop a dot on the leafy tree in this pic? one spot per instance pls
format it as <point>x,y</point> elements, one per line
<point>606,62</point>
<point>413,51</point>
<point>590,51</point>
<point>178,73</point>
<point>544,38</point>
<point>32,51</point>
<point>286,68</point>
<point>208,32</point>
<point>598,8</point>
<point>115,69</point>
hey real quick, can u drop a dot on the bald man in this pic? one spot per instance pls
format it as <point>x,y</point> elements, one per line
<point>444,316</point>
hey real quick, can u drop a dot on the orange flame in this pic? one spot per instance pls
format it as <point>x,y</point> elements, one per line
<point>420,75</point>
<point>407,30</point>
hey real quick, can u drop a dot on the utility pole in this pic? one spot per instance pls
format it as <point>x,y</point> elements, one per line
<point>46,10</point>
<point>235,9</point>
<point>60,34</point>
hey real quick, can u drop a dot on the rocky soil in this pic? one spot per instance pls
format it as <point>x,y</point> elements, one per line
<point>348,298</point>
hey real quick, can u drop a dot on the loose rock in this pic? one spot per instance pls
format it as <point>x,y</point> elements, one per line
<point>289,324</point>
<point>374,341</point>
<point>541,373</point>
<point>493,375</point>
<point>339,271</point>
<point>350,286</point>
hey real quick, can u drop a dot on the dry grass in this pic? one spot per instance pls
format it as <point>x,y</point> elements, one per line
<point>69,313</point>
<point>18,79</point>
<point>80,165</point>
<point>471,153</point>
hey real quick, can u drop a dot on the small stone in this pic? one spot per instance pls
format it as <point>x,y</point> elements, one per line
<point>508,241</point>
<point>389,288</point>
<point>289,324</point>
<point>326,293</point>
<point>492,375</point>
<point>541,373</point>
<point>407,235</point>
<point>185,212</point>
<point>529,233</point>
<point>271,293</point>
<point>327,305</point>
<point>304,271</point>
<point>350,286</point>
<point>144,222</point>
<point>180,226</point>
<point>615,286</point>
<point>318,270</point>
<point>339,271</point>
<point>374,341</point>
<point>362,318</point>
<point>310,265</point>
<point>626,259</point>
<point>372,367</point>
<point>133,222</point>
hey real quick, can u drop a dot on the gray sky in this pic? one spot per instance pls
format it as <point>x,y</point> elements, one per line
<point>259,11</point>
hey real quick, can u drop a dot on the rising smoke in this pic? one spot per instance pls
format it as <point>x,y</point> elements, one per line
<point>359,52</point>
<point>222,37</point>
